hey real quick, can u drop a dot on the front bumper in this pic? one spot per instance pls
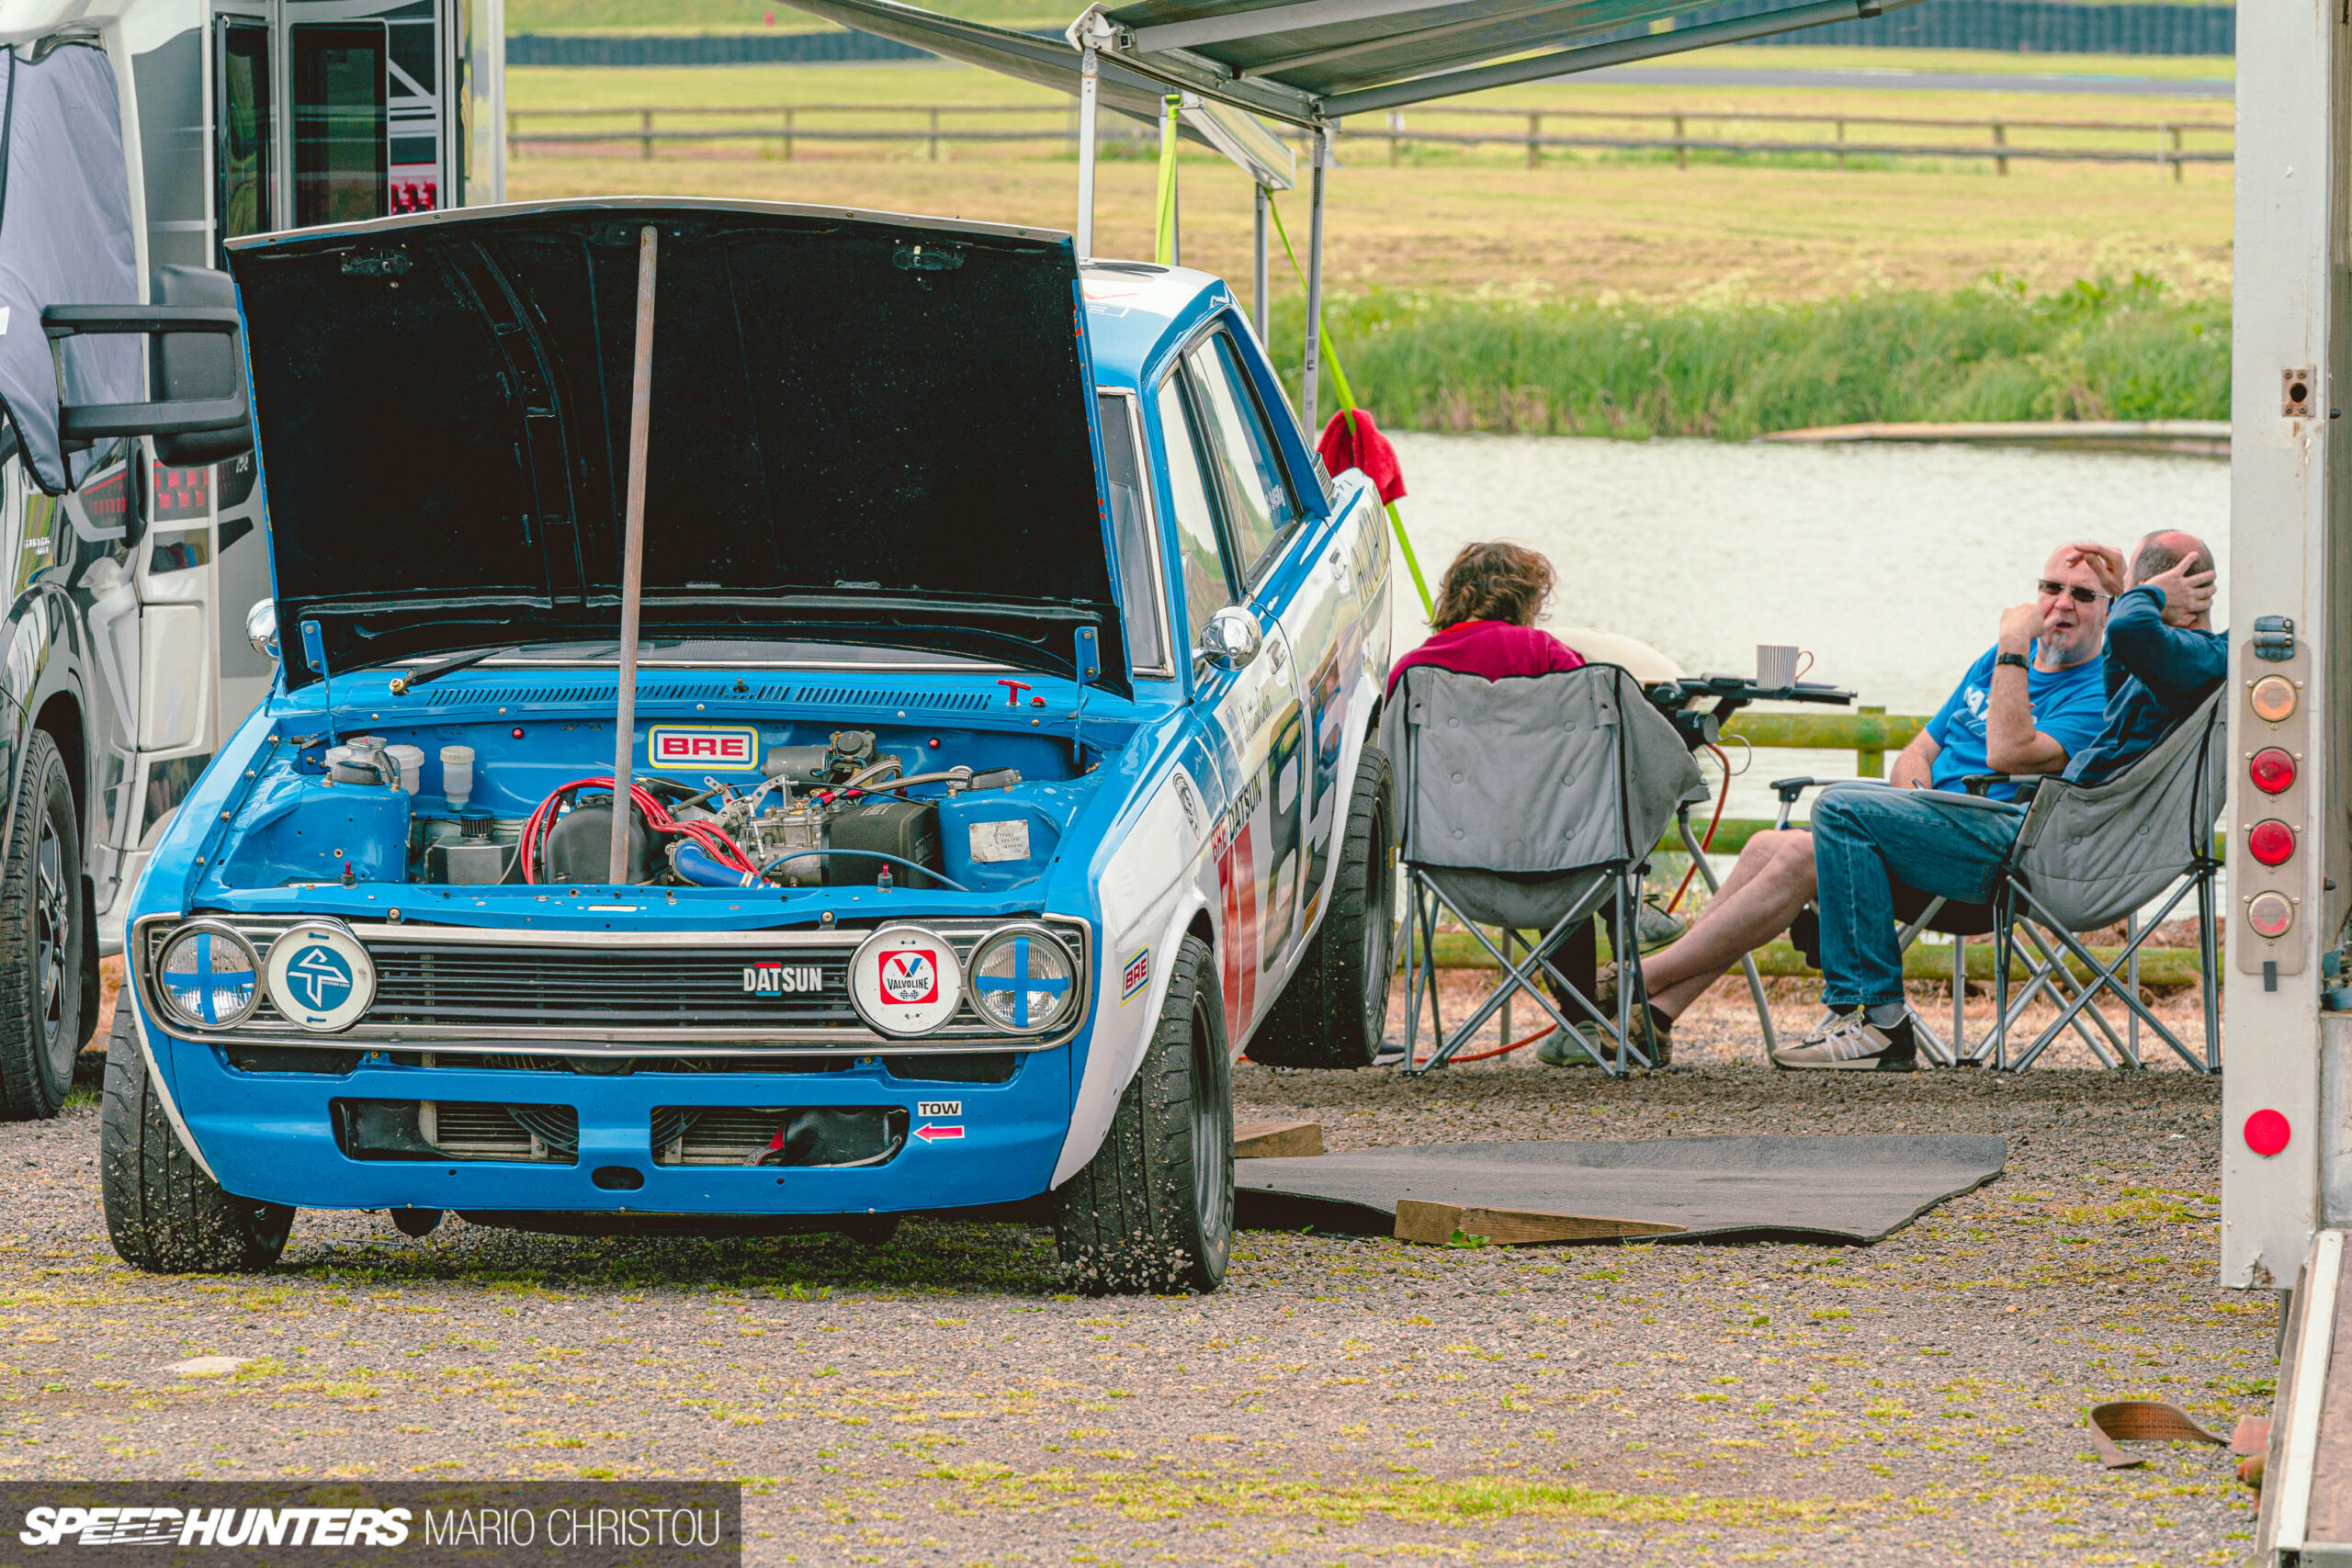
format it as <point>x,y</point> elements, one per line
<point>270,1136</point>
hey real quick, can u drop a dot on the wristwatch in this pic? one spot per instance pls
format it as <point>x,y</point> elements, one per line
<point>2019,660</point>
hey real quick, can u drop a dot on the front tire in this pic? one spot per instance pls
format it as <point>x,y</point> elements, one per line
<point>1336,1009</point>
<point>1153,1210</point>
<point>163,1215</point>
<point>42,921</point>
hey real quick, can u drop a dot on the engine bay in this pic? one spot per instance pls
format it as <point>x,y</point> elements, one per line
<point>721,805</point>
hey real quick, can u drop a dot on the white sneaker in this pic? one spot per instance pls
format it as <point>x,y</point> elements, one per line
<point>1849,1042</point>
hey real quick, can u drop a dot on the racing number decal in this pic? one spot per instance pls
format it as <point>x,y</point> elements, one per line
<point>1237,886</point>
<point>1282,799</point>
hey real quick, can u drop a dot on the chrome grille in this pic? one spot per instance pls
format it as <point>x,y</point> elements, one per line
<point>428,987</point>
<point>447,988</point>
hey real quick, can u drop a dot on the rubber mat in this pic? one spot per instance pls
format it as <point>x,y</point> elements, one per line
<point>1855,1189</point>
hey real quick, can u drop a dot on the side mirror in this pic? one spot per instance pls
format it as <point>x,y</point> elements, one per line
<point>192,367</point>
<point>261,628</point>
<point>1231,639</point>
<point>202,416</point>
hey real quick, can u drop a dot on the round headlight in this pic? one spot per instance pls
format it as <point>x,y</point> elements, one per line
<point>1024,980</point>
<point>205,977</point>
<point>320,977</point>
<point>905,980</point>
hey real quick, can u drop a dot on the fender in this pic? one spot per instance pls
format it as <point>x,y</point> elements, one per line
<point>1150,890</point>
<point>56,672</point>
<point>163,1087</point>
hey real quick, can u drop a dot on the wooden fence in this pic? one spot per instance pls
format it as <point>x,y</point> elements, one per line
<point>2161,143</point>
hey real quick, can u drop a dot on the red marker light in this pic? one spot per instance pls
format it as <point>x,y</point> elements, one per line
<point>2267,1132</point>
<point>519,732</point>
<point>2272,770</point>
<point>2271,841</point>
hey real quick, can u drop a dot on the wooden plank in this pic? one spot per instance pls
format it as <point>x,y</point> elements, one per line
<point>2329,1519</point>
<point>1277,1140</point>
<point>1434,1225</point>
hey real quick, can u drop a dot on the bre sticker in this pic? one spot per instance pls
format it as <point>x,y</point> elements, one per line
<point>729,748</point>
<point>1134,975</point>
<point>906,980</point>
<point>320,977</point>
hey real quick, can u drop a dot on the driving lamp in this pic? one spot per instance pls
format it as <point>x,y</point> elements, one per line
<point>206,977</point>
<point>1024,980</point>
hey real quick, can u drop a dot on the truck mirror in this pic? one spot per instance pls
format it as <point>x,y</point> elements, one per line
<point>223,418</point>
<point>191,368</point>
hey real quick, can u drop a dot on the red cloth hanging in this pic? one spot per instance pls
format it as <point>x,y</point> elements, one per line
<point>1352,441</point>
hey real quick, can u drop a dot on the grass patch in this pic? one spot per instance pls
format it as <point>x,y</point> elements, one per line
<point>1473,1501</point>
<point>2097,349</point>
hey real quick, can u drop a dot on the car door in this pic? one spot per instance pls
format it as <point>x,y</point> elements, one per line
<point>1254,710</point>
<point>1293,584</point>
<point>1259,842</point>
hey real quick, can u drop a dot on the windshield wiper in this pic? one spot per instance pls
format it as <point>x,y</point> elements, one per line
<point>415,678</point>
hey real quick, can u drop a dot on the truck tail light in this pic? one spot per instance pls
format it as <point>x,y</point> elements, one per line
<point>2272,698</point>
<point>2272,770</point>
<point>2270,914</point>
<point>2271,841</point>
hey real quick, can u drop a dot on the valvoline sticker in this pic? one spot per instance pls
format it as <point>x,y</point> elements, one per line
<point>910,976</point>
<point>727,748</point>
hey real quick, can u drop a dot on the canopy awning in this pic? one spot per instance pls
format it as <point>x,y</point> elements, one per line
<point>1309,62</point>
<point>1053,63</point>
<point>1313,61</point>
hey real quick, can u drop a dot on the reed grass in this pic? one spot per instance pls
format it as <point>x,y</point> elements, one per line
<point>2097,349</point>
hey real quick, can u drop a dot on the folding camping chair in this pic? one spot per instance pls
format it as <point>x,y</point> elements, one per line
<point>2090,855</point>
<point>2086,856</point>
<point>1529,804</point>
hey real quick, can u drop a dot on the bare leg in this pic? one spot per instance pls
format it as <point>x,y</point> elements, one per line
<point>1772,881</point>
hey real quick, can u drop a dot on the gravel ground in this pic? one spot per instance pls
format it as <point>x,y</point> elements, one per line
<point>1342,1400</point>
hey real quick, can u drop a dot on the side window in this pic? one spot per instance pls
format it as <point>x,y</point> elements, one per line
<point>243,155</point>
<point>339,120</point>
<point>1264,509</point>
<point>1206,588</point>
<point>1131,527</point>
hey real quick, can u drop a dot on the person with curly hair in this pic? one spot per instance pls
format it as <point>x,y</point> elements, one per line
<point>1484,619</point>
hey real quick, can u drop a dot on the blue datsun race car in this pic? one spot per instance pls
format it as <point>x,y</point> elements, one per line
<point>1004,749</point>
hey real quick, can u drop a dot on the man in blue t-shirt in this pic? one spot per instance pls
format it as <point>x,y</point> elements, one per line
<point>2164,659</point>
<point>1988,725</point>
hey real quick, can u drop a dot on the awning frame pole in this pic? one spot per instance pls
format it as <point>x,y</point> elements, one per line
<point>1257,267</point>
<point>1311,372</point>
<point>1090,70</point>
<point>641,419</point>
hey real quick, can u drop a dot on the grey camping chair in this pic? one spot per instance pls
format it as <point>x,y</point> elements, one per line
<point>1529,804</point>
<point>2090,855</point>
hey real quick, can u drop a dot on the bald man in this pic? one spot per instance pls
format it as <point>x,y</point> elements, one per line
<point>2162,660</point>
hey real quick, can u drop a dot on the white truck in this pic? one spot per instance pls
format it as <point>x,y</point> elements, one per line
<point>136,136</point>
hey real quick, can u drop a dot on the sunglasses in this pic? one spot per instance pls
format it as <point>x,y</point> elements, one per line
<point>2079,595</point>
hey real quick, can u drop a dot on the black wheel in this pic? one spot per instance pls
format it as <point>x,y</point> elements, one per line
<point>163,1213</point>
<point>42,921</point>
<point>1336,1008</point>
<point>1153,1210</point>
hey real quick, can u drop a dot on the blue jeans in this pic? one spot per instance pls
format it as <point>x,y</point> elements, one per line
<point>1866,835</point>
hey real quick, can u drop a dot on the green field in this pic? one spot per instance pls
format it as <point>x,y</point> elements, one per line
<point>1604,292</point>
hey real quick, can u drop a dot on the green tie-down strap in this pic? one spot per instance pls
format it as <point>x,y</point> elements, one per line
<point>1347,405</point>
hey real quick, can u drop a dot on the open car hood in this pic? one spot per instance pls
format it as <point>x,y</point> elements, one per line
<point>866,429</point>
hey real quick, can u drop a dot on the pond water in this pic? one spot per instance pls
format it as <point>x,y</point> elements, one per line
<point>1890,563</point>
